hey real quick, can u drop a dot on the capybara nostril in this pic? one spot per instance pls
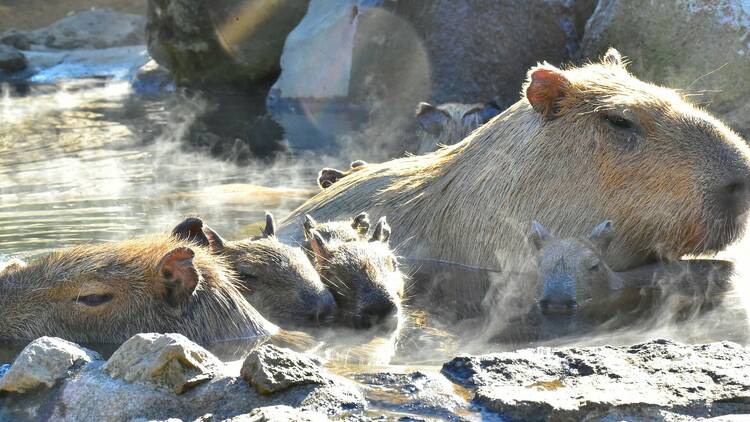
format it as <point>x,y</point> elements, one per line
<point>325,309</point>
<point>376,313</point>
<point>734,197</point>
<point>557,306</point>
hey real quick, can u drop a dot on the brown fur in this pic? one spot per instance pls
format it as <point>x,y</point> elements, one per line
<point>47,297</point>
<point>471,202</point>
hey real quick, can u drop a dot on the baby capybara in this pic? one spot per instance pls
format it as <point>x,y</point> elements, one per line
<point>279,280</point>
<point>106,293</point>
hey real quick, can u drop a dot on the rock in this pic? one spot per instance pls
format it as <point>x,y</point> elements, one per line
<point>119,63</point>
<point>3,369</point>
<point>271,369</point>
<point>152,79</point>
<point>387,56</point>
<point>222,41</point>
<point>698,46</point>
<point>11,60</point>
<point>279,414</point>
<point>93,29</point>
<point>15,39</point>
<point>166,360</point>
<point>43,363</point>
<point>597,383</point>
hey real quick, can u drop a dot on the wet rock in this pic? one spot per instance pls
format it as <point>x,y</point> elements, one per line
<point>271,369</point>
<point>699,46</point>
<point>43,363</point>
<point>166,360</point>
<point>15,39</point>
<point>3,369</point>
<point>220,42</point>
<point>649,380</point>
<point>152,79</point>
<point>92,29</point>
<point>279,414</point>
<point>11,60</point>
<point>120,63</point>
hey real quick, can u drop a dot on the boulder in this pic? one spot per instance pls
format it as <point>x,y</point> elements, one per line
<point>165,360</point>
<point>42,363</point>
<point>11,60</point>
<point>271,369</point>
<point>658,379</point>
<point>92,29</point>
<point>699,46</point>
<point>223,41</point>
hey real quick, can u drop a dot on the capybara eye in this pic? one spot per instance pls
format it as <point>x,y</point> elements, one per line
<point>93,300</point>
<point>594,268</point>
<point>618,122</point>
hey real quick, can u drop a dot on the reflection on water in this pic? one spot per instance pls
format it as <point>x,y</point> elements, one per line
<point>89,162</point>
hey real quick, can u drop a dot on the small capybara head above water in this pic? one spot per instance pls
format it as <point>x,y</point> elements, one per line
<point>572,272</point>
<point>446,124</point>
<point>363,275</point>
<point>106,293</point>
<point>278,280</point>
<point>671,176</point>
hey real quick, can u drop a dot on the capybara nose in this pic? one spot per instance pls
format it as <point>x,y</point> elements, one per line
<point>325,309</point>
<point>383,312</point>
<point>734,197</point>
<point>551,306</point>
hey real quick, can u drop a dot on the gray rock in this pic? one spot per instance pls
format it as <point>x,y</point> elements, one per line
<point>698,46</point>
<point>220,41</point>
<point>279,414</point>
<point>15,39</point>
<point>11,60</point>
<point>165,360</point>
<point>92,29</point>
<point>3,369</point>
<point>654,380</point>
<point>43,362</point>
<point>271,369</point>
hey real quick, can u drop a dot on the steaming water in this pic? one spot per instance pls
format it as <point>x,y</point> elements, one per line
<point>88,161</point>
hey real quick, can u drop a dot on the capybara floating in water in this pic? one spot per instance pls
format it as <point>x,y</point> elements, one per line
<point>583,145</point>
<point>279,280</point>
<point>363,274</point>
<point>446,124</point>
<point>574,276</point>
<point>106,293</point>
<point>328,176</point>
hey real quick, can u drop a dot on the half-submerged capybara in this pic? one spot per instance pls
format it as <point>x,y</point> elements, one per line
<point>446,124</point>
<point>106,293</point>
<point>574,276</point>
<point>363,274</point>
<point>583,145</point>
<point>279,280</point>
<point>342,230</point>
<point>328,176</point>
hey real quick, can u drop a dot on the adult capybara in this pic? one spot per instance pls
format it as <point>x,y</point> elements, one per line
<point>583,145</point>
<point>277,279</point>
<point>106,293</point>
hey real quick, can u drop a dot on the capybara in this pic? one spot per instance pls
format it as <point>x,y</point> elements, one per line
<point>279,280</point>
<point>328,176</point>
<point>446,124</point>
<point>343,231</point>
<point>583,144</point>
<point>106,293</point>
<point>574,276</point>
<point>363,275</point>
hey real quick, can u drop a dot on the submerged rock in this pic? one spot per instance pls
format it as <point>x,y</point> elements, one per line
<point>699,46</point>
<point>43,363</point>
<point>167,360</point>
<point>11,60</point>
<point>647,380</point>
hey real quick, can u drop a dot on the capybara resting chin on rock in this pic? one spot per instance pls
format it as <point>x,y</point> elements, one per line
<point>277,279</point>
<point>583,145</point>
<point>106,293</point>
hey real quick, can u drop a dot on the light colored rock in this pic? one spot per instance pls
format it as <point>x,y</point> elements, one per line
<point>11,60</point>
<point>280,413</point>
<point>43,363</point>
<point>165,360</point>
<point>120,63</point>
<point>92,29</point>
<point>271,369</point>
<point>620,382</point>
<point>701,47</point>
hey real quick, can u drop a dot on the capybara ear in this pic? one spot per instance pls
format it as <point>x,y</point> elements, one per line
<point>382,231</point>
<point>308,225</point>
<point>329,176</point>
<point>177,275</point>
<point>602,235</point>
<point>319,247</point>
<point>612,57</point>
<point>545,86</point>
<point>539,235</point>
<point>191,229</point>
<point>361,223</point>
<point>270,229</point>
<point>357,164</point>
<point>431,118</point>
<point>484,112</point>
<point>215,242</point>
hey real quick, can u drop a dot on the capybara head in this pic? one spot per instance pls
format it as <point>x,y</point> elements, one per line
<point>448,123</point>
<point>343,231</point>
<point>328,176</point>
<point>279,280</point>
<point>106,293</point>
<point>572,272</point>
<point>673,178</point>
<point>363,275</point>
